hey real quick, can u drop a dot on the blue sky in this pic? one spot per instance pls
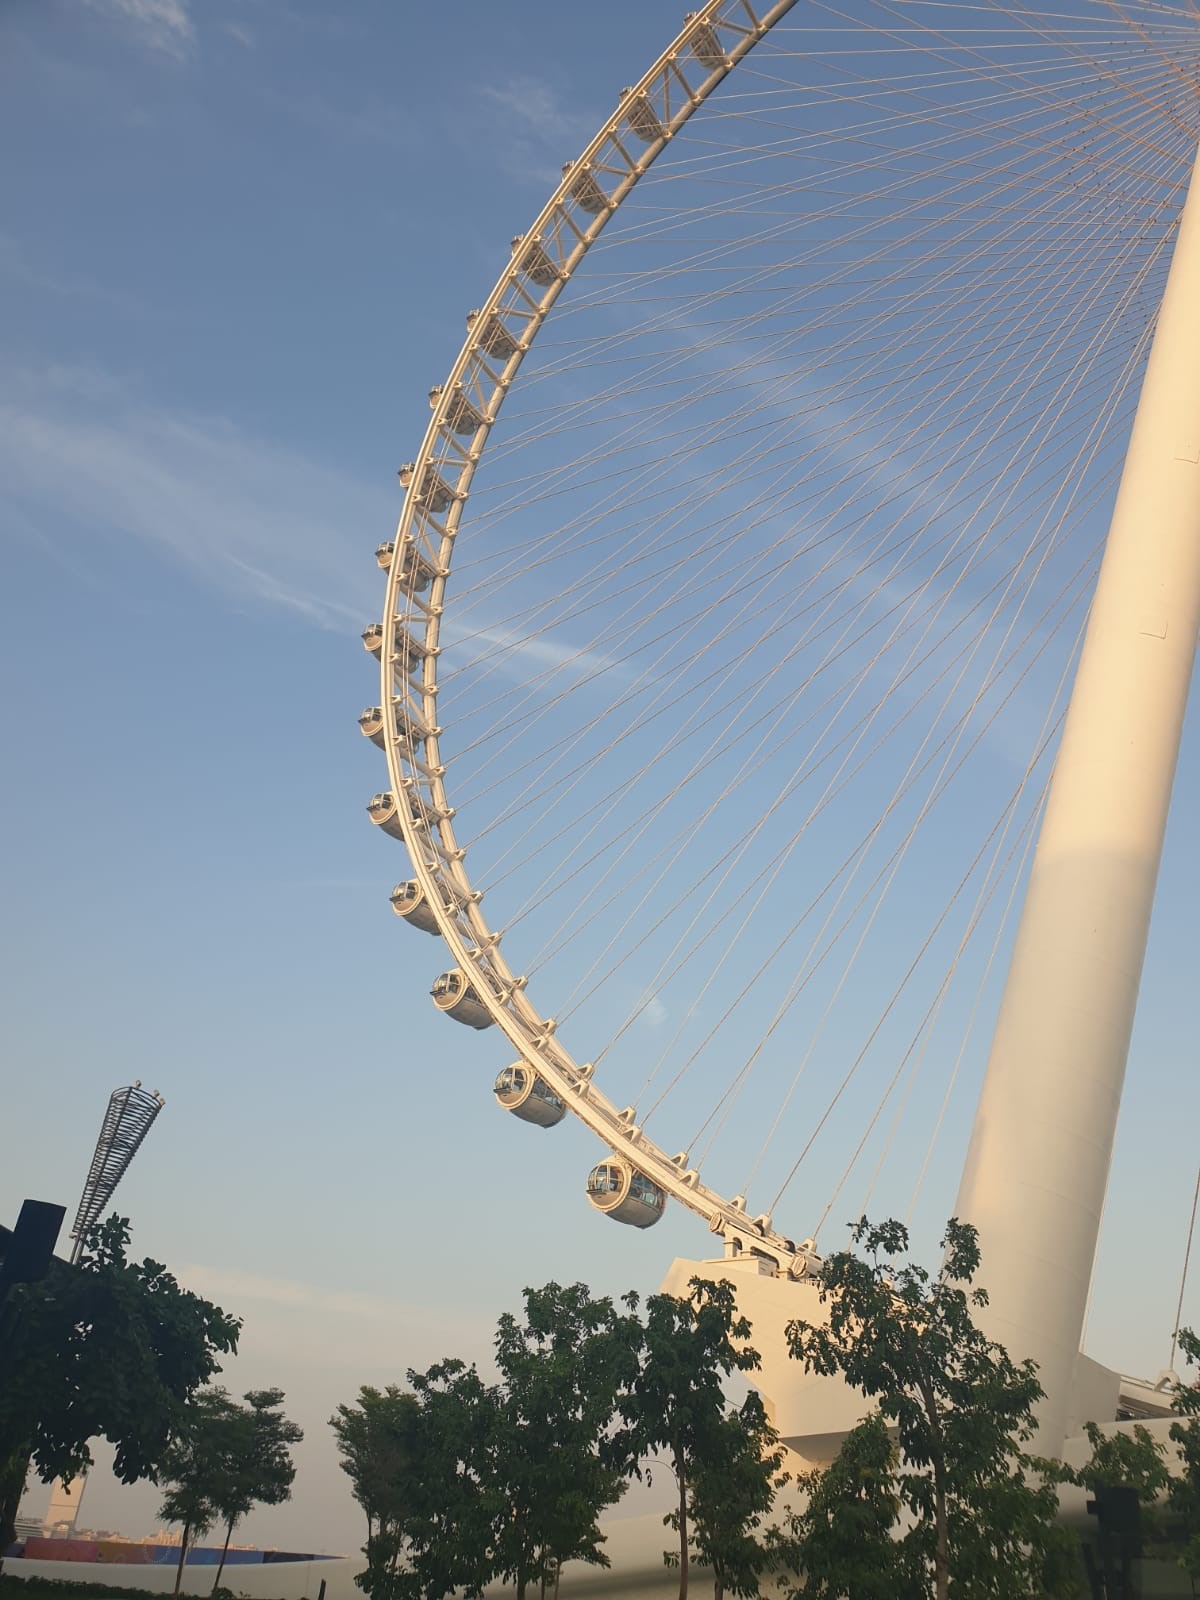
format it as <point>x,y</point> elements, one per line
<point>236,251</point>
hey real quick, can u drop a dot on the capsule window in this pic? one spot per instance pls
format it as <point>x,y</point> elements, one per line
<point>646,1190</point>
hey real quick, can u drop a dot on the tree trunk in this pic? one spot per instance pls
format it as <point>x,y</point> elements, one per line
<point>183,1544</point>
<point>224,1553</point>
<point>521,1587</point>
<point>681,1479</point>
<point>12,1488</point>
<point>941,1549</point>
<point>941,1553</point>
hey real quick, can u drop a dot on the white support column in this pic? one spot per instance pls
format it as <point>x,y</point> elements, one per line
<point>1042,1142</point>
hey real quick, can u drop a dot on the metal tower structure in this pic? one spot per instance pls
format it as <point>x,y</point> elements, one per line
<point>128,1119</point>
<point>1043,1136</point>
<point>1042,1143</point>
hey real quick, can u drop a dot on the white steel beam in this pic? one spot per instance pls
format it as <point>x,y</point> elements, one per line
<point>1040,1150</point>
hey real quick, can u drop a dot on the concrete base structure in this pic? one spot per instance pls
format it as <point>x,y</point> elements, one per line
<point>813,1415</point>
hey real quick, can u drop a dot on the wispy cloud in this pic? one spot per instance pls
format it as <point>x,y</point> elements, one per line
<point>253,1288</point>
<point>515,654</point>
<point>81,450</point>
<point>19,266</point>
<point>298,1331</point>
<point>653,1012</point>
<point>534,132</point>
<point>162,24</point>
<point>534,105</point>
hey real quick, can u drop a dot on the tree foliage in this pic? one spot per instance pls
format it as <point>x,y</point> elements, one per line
<point>196,1466</point>
<point>1184,1490</point>
<point>419,1463</point>
<point>463,1483</point>
<point>552,1470</point>
<point>733,1487</point>
<point>260,1466</point>
<point>1133,1460</point>
<point>380,1444</point>
<point>111,1349</point>
<point>983,1511</point>
<point>675,1406</point>
<point>452,1536</point>
<point>845,1544</point>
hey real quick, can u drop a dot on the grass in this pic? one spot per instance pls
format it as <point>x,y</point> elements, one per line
<point>14,1588</point>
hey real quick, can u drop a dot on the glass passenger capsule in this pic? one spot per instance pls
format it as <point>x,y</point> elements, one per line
<point>461,416</point>
<point>408,901</point>
<point>520,1090</point>
<point>371,725</point>
<point>618,1189</point>
<point>410,652</point>
<point>642,118</point>
<point>408,729</point>
<point>384,813</point>
<point>535,261</point>
<point>416,574</point>
<point>453,994</point>
<point>492,336</point>
<point>705,45</point>
<point>586,191</point>
<point>435,494</point>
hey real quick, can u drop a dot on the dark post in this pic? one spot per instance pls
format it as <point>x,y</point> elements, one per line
<point>27,1258</point>
<point>1118,1512</point>
<point>31,1244</point>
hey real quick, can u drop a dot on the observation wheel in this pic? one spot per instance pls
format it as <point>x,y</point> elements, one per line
<point>878,523</point>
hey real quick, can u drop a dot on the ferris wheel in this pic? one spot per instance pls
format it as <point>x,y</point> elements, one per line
<point>945,559</point>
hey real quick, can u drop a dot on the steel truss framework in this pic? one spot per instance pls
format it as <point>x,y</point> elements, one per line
<point>418,562</point>
<point>128,1119</point>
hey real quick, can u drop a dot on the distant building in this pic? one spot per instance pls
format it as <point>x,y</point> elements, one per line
<point>63,1511</point>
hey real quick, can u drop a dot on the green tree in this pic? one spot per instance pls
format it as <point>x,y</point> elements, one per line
<point>111,1349</point>
<point>421,1465</point>
<point>734,1482</point>
<point>381,1448</point>
<point>550,1470</point>
<point>1184,1490</point>
<point>961,1409</point>
<point>1131,1461</point>
<point>844,1544</point>
<point>261,1471</point>
<point>452,1539</point>
<point>197,1465</point>
<point>676,1403</point>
